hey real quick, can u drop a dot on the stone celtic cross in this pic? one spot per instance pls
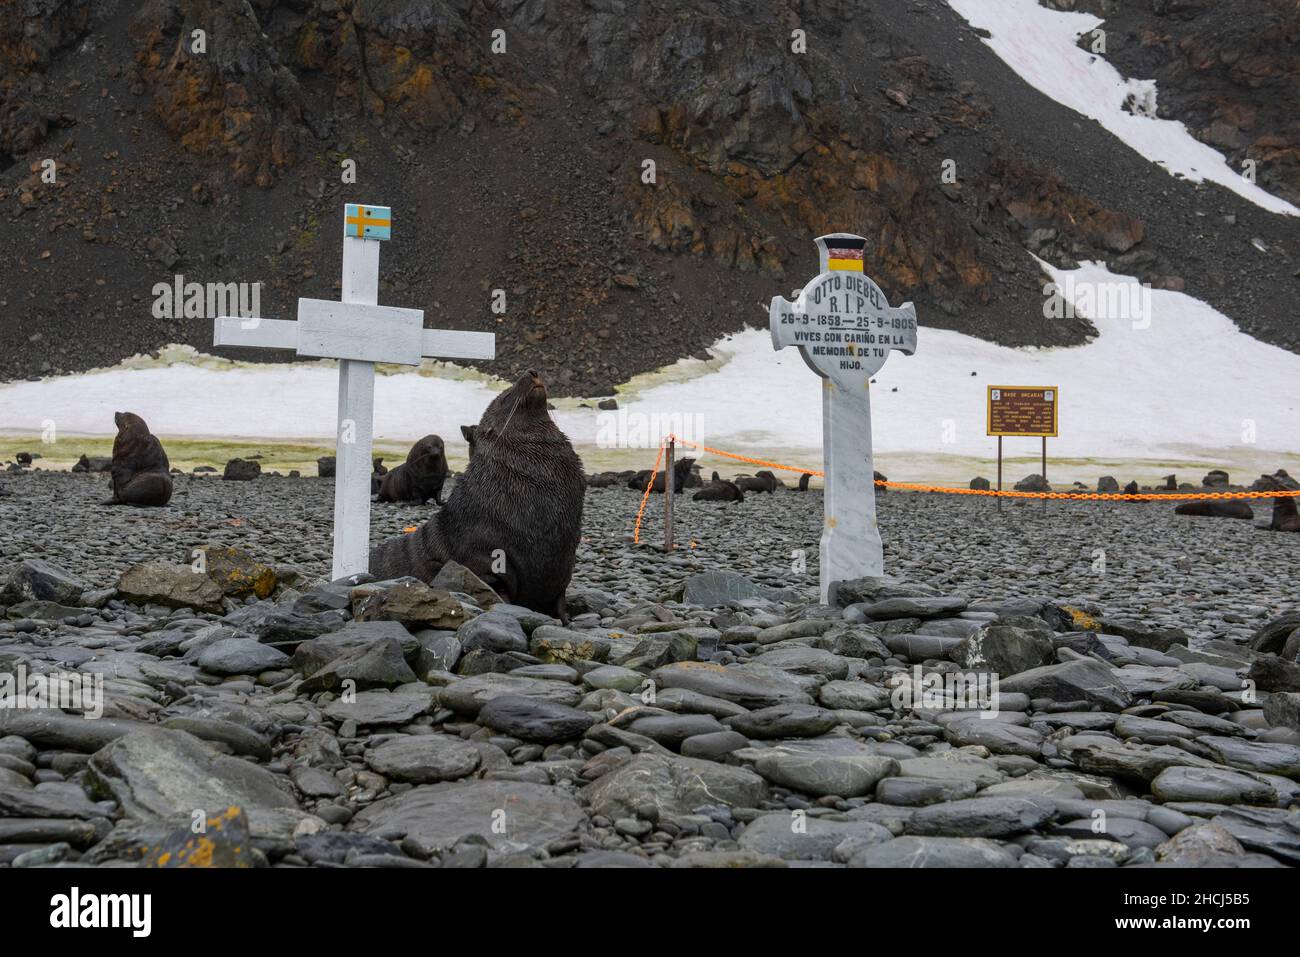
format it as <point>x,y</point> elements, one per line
<point>358,332</point>
<point>845,329</point>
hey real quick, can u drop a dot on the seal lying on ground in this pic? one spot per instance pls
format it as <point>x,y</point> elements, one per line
<point>420,477</point>
<point>514,518</point>
<point>1215,509</point>
<point>758,482</point>
<point>140,467</point>
<point>719,490</point>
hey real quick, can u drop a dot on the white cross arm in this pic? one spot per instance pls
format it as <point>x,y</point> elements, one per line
<point>256,333</point>
<point>778,319</point>
<point>351,330</point>
<point>450,344</point>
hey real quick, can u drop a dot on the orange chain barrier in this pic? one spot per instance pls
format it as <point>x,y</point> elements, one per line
<point>636,532</point>
<point>948,489</point>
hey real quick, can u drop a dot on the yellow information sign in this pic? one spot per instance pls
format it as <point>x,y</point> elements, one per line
<point>1023,410</point>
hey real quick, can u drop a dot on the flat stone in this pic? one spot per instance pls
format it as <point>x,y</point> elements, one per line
<point>1128,831</point>
<point>1218,786</point>
<point>379,664</point>
<point>982,817</point>
<point>509,816</point>
<point>822,774</point>
<point>918,792</point>
<point>612,676</point>
<point>534,719</point>
<point>748,689</point>
<point>468,695</point>
<point>368,708</point>
<point>675,786</point>
<point>672,730</point>
<point>240,656</point>
<point>1266,758</point>
<point>423,758</point>
<point>943,852</point>
<point>157,773</point>
<point>807,839</point>
<point>853,696</point>
<point>789,720</point>
<point>913,607</point>
<point>718,589</point>
<point>493,631</point>
<point>998,736</point>
<point>1079,680</point>
<point>175,586</point>
<point>714,746</point>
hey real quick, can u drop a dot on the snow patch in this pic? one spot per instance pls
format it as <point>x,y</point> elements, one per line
<point>1183,384</point>
<point>1040,45</point>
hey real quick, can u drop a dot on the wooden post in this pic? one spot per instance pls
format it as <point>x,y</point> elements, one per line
<point>668,497</point>
<point>999,472</point>
<point>1044,473</point>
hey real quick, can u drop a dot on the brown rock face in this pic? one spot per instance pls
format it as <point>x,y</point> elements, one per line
<point>1229,71</point>
<point>226,94</point>
<point>30,33</point>
<point>1037,199</point>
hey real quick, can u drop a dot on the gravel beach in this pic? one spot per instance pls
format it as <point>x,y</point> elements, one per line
<point>1210,577</point>
<point>987,707</point>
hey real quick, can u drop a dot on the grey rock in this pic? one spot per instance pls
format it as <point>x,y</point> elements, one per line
<point>674,786</point>
<point>935,852</point>
<point>240,656</point>
<point>423,758</point>
<point>508,816</point>
<point>534,719</point>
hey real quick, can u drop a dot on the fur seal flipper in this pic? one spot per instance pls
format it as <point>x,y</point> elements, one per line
<point>140,471</point>
<point>514,518</point>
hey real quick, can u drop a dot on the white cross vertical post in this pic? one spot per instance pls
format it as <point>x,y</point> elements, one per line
<point>845,329</point>
<point>354,440</point>
<point>359,333</point>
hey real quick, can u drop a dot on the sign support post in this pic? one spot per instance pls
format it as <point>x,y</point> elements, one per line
<point>1023,410</point>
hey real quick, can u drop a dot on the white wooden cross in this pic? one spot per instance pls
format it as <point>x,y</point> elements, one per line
<point>845,328</point>
<point>358,332</point>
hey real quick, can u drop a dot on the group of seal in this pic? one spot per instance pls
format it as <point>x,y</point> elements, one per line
<point>514,518</point>
<point>141,474</point>
<point>420,477</point>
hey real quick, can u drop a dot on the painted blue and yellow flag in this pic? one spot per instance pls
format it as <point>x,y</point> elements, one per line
<point>367,222</point>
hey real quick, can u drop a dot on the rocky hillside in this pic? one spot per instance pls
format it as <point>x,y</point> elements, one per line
<point>523,169</point>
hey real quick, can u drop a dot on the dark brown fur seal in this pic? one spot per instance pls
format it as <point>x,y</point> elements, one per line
<point>719,490</point>
<point>514,518</point>
<point>377,475</point>
<point>140,467</point>
<point>803,482</point>
<point>758,482</point>
<point>1216,509</point>
<point>1285,516</point>
<point>681,472</point>
<point>420,477</point>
